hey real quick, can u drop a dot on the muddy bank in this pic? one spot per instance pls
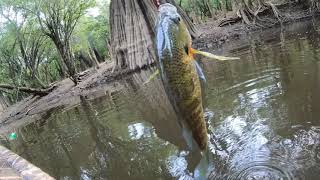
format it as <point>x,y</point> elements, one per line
<point>102,82</point>
<point>94,83</point>
<point>65,95</point>
<point>218,32</point>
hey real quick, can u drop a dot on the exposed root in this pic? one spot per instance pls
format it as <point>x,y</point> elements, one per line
<point>314,5</point>
<point>229,21</point>
<point>276,12</point>
<point>250,13</point>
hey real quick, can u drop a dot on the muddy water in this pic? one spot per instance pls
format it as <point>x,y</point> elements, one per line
<point>263,116</point>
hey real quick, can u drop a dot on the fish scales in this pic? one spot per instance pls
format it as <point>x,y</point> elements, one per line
<point>186,93</point>
<point>182,83</point>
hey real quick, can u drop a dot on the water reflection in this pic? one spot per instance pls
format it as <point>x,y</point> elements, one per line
<point>138,131</point>
<point>264,106</point>
<point>152,104</point>
<point>263,120</point>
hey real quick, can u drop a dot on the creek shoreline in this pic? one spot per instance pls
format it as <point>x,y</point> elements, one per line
<point>101,82</point>
<point>211,33</point>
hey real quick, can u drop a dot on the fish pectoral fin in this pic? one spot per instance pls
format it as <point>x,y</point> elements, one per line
<point>152,77</point>
<point>212,56</point>
<point>199,71</point>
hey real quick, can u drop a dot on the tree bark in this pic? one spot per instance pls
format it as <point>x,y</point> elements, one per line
<point>131,35</point>
<point>132,32</point>
<point>64,50</point>
<point>93,58</point>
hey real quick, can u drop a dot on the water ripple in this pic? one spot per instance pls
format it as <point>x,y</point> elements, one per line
<point>262,170</point>
<point>177,166</point>
<point>251,82</point>
<point>261,165</point>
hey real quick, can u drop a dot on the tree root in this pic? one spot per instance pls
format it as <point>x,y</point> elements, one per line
<point>229,21</point>
<point>314,5</point>
<point>251,15</point>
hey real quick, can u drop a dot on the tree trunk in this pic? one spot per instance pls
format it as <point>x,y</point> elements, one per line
<point>131,36</point>
<point>132,32</point>
<point>93,58</point>
<point>84,59</point>
<point>99,57</point>
<point>67,57</point>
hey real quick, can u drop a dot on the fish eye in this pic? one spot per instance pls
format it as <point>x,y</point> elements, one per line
<point>175,19</point>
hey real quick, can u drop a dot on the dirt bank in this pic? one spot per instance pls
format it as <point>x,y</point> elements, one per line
<point>101,82</point>
<point>212,33</point>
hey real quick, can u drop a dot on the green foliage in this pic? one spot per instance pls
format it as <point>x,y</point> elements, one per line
<point>205,8</point>
<point>28,57</point>
<point>91,31</point>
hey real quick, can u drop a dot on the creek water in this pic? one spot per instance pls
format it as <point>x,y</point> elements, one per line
<point>263,118</point>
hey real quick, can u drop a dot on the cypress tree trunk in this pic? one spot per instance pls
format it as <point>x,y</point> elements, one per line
<point>132,32</point>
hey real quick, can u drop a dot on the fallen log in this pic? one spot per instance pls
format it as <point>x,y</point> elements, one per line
<point>40,92</point>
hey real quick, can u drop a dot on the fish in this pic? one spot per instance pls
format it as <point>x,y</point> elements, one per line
<point>181,74</point>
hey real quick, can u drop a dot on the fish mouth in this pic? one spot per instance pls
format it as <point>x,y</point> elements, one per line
<point>164,37</point>
<point>168,22</point>
<point>175,19</point>
<point>168,13</point>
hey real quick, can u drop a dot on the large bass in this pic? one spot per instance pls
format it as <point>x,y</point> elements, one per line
<point>180,73</point>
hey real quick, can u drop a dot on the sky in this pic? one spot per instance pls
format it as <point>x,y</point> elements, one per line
<point>12,15</point>
<point>95,10</point>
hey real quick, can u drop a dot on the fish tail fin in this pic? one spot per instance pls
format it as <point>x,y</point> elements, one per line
<point>201,171</point>
<point>152,77</point>
<point>213,56</point>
